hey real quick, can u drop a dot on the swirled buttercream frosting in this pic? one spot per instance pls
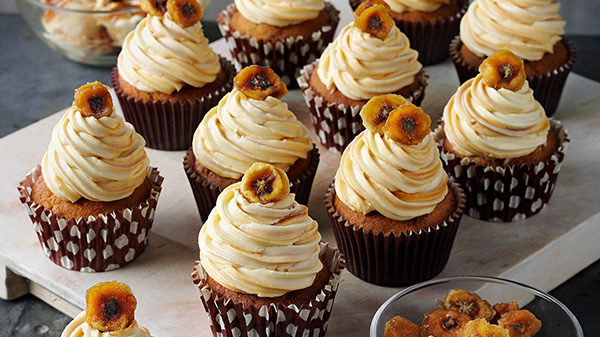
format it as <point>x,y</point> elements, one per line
<point>528,28</point>
<point>160,55</point>
<point>399,181</point>
<point>99,159</point>
<point>263,249</point>
<point>79,328</point>
<point>497,123</point>
<point>240,131</point>
<point>401,6</point>
<point>362,66</point>
<point>280,13</point>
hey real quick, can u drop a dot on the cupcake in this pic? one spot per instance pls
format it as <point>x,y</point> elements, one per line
<point>109,311</point>
<point>263,268</point>
<point>429,24</point>
<point>531,30</point>
<point>250,124</point>
<point>498,143</point>
<point>393,209</point>
<point>282,35</point>
<point>364,61</point>
<point>167,77</point>
<point>92,200</point>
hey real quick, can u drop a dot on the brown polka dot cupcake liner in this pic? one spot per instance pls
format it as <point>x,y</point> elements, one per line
<point>430,38</point>
<point>547,88</point>
<point>170,125</point>
<point>93,244</point>
<point>206,194</point>
<point>285,56</point>
<point>396,260</point>
<point>505,193</point>
<point>336,125</point>
<point>230,319</point>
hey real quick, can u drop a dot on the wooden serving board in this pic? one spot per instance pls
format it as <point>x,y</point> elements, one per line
<point>542,251</point>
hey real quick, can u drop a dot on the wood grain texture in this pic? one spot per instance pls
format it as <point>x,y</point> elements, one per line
<point>542,251</point>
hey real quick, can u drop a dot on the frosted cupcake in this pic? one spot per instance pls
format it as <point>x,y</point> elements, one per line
<point>364,61</point>
<point>281,34</point>
<point>167,76</point>
<point>394,212</point>
<point>532,30</point>
<point>497,141</point>
<point>262,264</point>
<point>110,312</point>
<point>250,124</point>
<point>92,200</point>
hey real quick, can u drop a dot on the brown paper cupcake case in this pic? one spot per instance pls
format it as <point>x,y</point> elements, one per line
<point>229,319</point>
<point>92,244</point>
<point>429,38</point>
<point>390,260</point>
<point>167,125</point>
<point>285,56</point>
<point>206,194</point>
<point>337,125</point>
<point>547,88</point>
<point>505,193</point>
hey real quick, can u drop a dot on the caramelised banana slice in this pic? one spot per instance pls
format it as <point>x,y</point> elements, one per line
<point>184,12</point>
<point>93,100</point>
<point>154,7</point>
<point>469,304</point>
<point>520,323</point>
<point>408,124</point>
<point>258,83</point>
<point>368,4</point>
<point>377,110</point>
<point>110,306</point>
<point>443,323</point>
<point>503,70</point>
<point>265,183</point>
<point>375,21</point>
<point>481,328</point>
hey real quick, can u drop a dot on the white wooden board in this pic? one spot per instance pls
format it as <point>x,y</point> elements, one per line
<point>542,251</point>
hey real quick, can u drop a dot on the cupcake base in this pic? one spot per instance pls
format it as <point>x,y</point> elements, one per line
<point>169,124</point>
<point>393,260</point>
<point>234,319</point>
<point>336,124</point>
<point>547,87</point>
<point>95,243</point>
<point>206,193</point>
<point>285,56</point>
<point>431,36</point>
<point>509,192</point>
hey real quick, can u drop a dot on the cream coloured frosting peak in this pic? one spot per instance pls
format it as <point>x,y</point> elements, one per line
<point>497,123</point>
<point>399,181</point>
<point>361,66</point>
<point>401,6</point>
<point>279,13</point>
<point>99,159</point>
<point>528,28</point>
<point>79,328</point>
<point>264,249</point>
<point>161,56</point>
<point>240,131</point>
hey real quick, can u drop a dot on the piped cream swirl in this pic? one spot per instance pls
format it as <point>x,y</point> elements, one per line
<point>280,13</point>
<point>78,327</point>
<point>241,131</point>
<point>99,159</point>
<point>528,28</point>
<point>497,123</point>
<point>261,249</point>
<point>401,6</point>
<point>399,181</point>
<point>159,55</point>
<point>361,66</point>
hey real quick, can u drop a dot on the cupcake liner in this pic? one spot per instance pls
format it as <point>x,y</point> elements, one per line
<point>285,56</point>
<point>429,38</point>
<point>92,244</point>
<point>336,124</point>
<point>206,194</point>
<point>167,125</point>
<point>505,193</point>
<point>391,260</point>
<point>547,88</point>
<point>230,319</point>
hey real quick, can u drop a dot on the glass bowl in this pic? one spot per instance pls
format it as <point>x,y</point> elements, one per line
<point>85,31</point>
<point>413,302</point>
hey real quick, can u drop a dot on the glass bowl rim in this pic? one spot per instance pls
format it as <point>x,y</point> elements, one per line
<point>548,297</point>
<point>82,11</point>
